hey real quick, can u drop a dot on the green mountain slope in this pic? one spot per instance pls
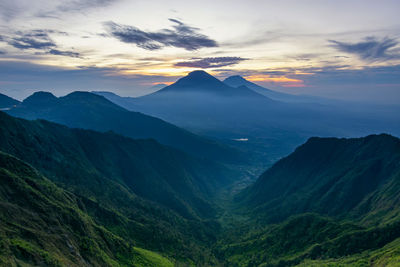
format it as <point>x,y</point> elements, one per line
<point>154,196</point>
<point>348,178</point>
<point>80,159</point>
<point>306,238</point>
<point>332,202</point>
<point>91,111</point>
<point>43,225</point>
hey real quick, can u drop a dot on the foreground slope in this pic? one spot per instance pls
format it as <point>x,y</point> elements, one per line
<point>311,238</point>
<point>353,178</point>
<point>90,111</point>
<point>332,202</point>
<point>152,171</point>
<point>151,195</point>
<point>44,225</point>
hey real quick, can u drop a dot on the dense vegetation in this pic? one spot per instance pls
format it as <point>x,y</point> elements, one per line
<point>148,193</point>
<point>73,197</point>
<point>354,178</point>
<point>44,225</point>
<point>351,186</point>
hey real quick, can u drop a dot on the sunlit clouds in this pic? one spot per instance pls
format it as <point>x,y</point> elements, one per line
<point>278,44</point>
<point>279,80</point>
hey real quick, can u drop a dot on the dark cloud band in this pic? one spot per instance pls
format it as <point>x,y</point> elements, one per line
<point>38,40</point>
<point>210,62</point>
<point>64,53</point>
<point>180,36</point>
<point>35,39</point>
<point>370,48</point>
<point>79,5</point>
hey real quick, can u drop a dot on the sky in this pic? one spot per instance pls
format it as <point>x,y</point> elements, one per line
<point>337,49</point>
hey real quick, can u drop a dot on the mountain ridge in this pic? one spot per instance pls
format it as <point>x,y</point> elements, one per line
<point>201,82</point>
<point>237,80</point>
<point>7,102</point>
<point>151,170</point>
<point>332,176</point>
<point>91,111</point>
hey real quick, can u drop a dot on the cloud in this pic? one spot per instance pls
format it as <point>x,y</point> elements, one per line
<point>63,53</point>
<point>38,40</point>
<point>180,36</point>
<point>78,5</point>
<point>9,9</point>
<point>72,6</point>
<point>370,84</point>
<point>35,39</point>
<point>20,79</point>
<point>210,62</point>
<point>373,84</point>
<point>370,48</point>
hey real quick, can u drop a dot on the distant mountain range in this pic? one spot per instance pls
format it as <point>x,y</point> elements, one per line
<point>237,81</point>
<point>200,82</point>
<point>121,188</point>
<point>90,111</point>
<point>273,123</point>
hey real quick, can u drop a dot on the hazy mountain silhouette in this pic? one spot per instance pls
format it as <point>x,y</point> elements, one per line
<point>200,82</point>
<point>91,111</point>
<point>237,81</point>
<point>158,86</point>
<point>203,104</point>
<point>7,102</point>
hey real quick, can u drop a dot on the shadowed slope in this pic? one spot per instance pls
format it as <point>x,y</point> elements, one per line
<point>356,178</point>
<point>44,225</point>
<point>90,111</point>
